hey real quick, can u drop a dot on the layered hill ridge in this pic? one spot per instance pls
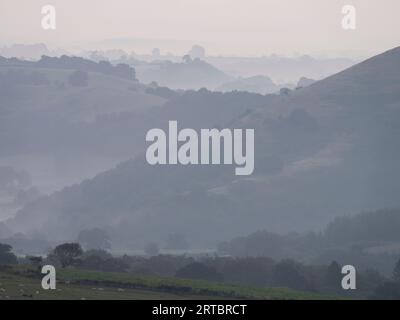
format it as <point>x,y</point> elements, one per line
<point>324,150</point>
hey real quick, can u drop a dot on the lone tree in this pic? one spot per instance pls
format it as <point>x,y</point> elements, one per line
<point>68,253</point>
<point>6,256</point>
<point>186,59</point>
<point>36,261</point>
<point>396,272</point>
<point>333,275</point>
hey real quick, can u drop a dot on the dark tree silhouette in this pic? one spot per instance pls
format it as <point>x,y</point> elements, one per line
<point>334,275</point>
<point>187,59</point>
<point>288,273</point>
<point>396,272</point>
<point>6,256</point>
<point>67,254</point>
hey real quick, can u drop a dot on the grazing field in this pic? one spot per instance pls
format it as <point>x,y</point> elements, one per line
<point>24,282</point>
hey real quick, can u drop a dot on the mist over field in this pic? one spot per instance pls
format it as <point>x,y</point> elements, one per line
<point>324,103</point>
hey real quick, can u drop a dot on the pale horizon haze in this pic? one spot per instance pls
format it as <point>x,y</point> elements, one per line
<point>224,27</point>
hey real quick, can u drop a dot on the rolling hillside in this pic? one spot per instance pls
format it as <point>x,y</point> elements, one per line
<point>325,150</point>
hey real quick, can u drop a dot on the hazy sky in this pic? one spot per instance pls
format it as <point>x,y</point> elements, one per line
<point>237,27</point>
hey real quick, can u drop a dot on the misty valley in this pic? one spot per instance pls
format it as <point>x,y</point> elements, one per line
<point>130,174</point>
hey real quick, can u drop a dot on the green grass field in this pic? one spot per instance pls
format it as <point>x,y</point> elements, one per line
<point>23,282</point>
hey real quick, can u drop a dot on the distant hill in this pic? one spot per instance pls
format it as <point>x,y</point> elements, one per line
<point>64,62</point>
<point>280,68</point>
<point>57,133</point>
<point>190,74</point>
<point>304,82</point>
<point>256,84</point>
<point>29,52</point>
